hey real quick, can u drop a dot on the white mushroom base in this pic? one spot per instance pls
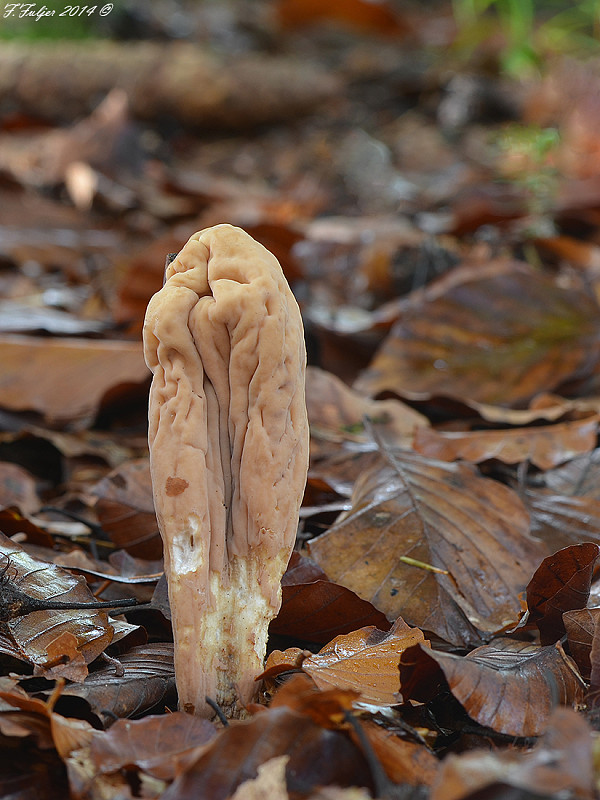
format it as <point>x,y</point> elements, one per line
<point>221,639</point>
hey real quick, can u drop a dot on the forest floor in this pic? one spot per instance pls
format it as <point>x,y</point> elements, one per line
<point>432,193</point>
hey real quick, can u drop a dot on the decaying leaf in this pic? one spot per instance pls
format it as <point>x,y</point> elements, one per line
<point>37,717</point>
<point>508,686</point>
<point>533,336</point>
<point>560,763</point>
<point>65,380</point>
<point>561,520</point>
<point>404,761</point>
<point>544,446</point>
<point>580,626</point>
<point>269,782</point>
<point>561,583</point>
<point>125,509</point>
<point>317,757</point>
<point>147,679</point>
<point>434,543</point>
<point>365,660</point>
<point>338,413</point>
<point>63,640</point>
<point>160,745</point>
<point>315,609</point>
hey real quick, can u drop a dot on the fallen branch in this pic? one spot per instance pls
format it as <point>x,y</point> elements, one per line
<point>178,80</point>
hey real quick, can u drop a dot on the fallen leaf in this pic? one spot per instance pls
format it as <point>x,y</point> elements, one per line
<point>315,609</point>
<point>66,380</point>
<point>161,745</point>
<point>559,520</point>
<point>580,477</point>
<point>338,413</point>
<point>39,637</point>
<point>560,763</point>
<point>365,660</point>
<point>35,715</point>
<point>434,543</point>
<point>326,707</point>
<point>561,583</point>
<point>317,757</point>
<point>580,625</point>
<point>544,446</point>
<point>508,686</point>
<point>125,509</point>
<point>148,679</point>
<point>405,761</point>
<point>498,334</point>
<point>18,488</point>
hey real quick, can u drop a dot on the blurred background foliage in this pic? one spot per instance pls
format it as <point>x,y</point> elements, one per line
<point>529,30</point>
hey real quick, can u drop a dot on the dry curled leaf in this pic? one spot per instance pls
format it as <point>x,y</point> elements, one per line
<point>365,660</point>
<point>580,626</point>
<point>561,583</point>
<point>544,446</point>
<point>508,686</point>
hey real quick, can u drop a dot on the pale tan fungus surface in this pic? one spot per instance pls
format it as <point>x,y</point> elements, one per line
<point>228,435</point>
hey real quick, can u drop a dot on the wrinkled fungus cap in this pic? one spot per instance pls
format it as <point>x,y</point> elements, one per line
<point>228,436</point>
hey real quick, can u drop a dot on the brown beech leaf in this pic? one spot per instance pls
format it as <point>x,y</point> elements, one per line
<point>559,764</point>
<point>18,488</point>
<point>365,660</point>
<point>559,520</point>
<point>40,579</point>
<point>434,543</point>
<point>66,380</point>
<point>561,583</point>
<point>35,716</point>
<point>64,659</point>
<point>498,333</point>
<point>337,412</point>
<point>403,760</point>
<point>53,639</point>
<point>316,609</point>
<point>580,476</point>
<point>148,679</point>
<point>595,665</point>
<point>160,745</point>
<point>580,625</point>
<point>317,757</point>
<point>544,446</point>
<point>45,640</point>
<point>508,686</point>
<point>125,509</point>
<point>326,707</point>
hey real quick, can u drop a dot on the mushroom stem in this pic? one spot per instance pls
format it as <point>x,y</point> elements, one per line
<point>228,436</point>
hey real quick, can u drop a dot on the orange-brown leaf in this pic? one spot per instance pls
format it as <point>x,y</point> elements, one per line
<point>365,660</point>
<point>544,446</point>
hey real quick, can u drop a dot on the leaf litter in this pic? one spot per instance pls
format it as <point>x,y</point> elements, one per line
<point>439,635</point>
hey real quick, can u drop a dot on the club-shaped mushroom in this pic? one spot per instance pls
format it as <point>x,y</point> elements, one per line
<point>228,435</point>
